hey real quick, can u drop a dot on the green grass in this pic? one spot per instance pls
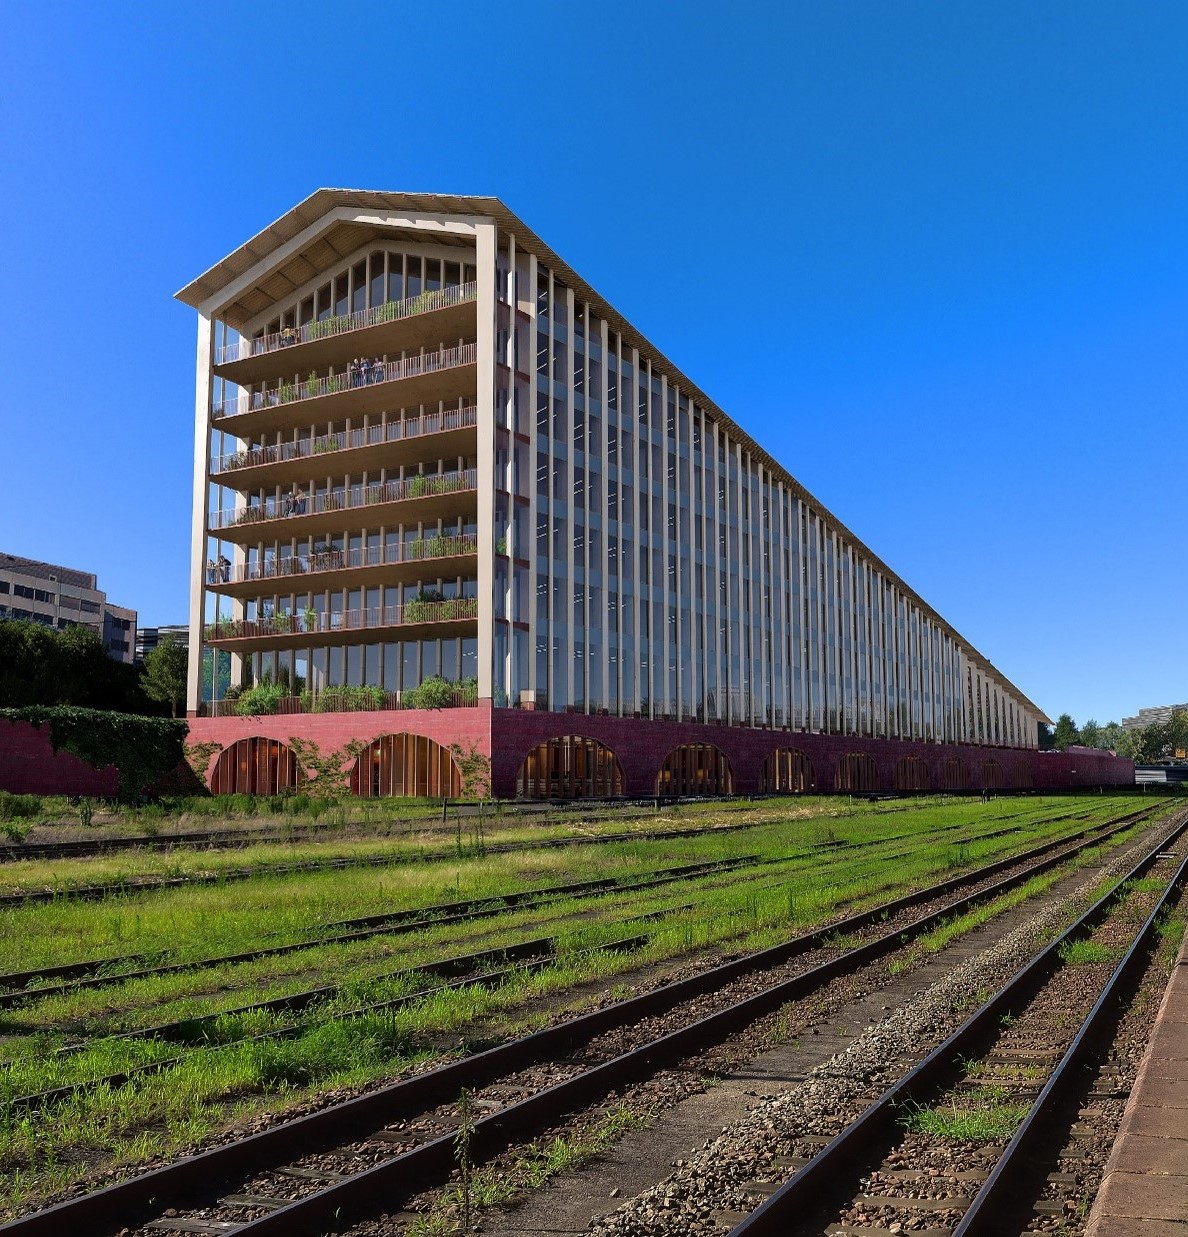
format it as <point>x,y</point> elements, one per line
<point>1084,952</point>
<point>986,1119</point>
<point>219,1082</point>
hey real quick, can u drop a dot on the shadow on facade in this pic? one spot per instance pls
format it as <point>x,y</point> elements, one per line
<point>695,769</point>
<point>787,770</point>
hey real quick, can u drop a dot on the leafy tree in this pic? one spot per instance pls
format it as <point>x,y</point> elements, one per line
<point>1044,736</point>
<point>1066,733</point>
<point>1177,732</point>
<point>164,676</point>
<point>1111,737</point>
<point>1091,734</point>
<point>41,666</point>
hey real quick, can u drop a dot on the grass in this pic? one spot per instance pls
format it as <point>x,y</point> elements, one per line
<point>987,1118</point>
<point>1084,952</point>
<point>220,1081</point>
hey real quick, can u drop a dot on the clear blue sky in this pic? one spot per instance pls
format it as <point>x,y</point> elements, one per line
<point>932,255</point>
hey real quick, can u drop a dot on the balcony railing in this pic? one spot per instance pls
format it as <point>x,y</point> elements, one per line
<point>421,486</point>
<point>342,324</point>
<point>330,622</point>
<point>427,549</point>
<point>334,700</point>
<point>389,371</point>
<point>347,440</point>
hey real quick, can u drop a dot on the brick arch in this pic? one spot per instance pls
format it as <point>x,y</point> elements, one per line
<point>993,777</point>
<point>405,765</point>
<point>954,773</point>
<point>256,766</point>
<point>787,770</point>
<point>911,773</point>
<point>570,766</point>
<point>856,771</point>
<point>695,769</point>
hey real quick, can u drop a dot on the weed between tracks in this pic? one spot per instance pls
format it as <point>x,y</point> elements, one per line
<point>228,1077</point>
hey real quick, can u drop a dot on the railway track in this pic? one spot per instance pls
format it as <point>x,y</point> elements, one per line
<point>17,987</point>
<point>110,889</point>
<point>1035,1039</point>
<point>464,970</point>
<point>321,1171</point>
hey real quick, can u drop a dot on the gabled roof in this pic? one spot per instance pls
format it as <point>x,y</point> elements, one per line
<point>293,269</point>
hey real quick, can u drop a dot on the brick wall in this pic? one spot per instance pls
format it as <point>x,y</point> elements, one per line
<point>331,731</point>
<point>641,747</point>
<point>30,766</point>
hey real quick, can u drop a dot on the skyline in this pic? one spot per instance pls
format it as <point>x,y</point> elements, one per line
<point>1004,320</point>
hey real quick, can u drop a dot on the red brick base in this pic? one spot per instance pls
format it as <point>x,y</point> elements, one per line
<point>30,766</point>
<point>507,735</point>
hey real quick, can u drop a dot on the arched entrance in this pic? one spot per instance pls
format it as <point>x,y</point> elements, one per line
<point>856,771</point>
<point>787,770</point>
<point>405,766</point>
<point>993,777</point>
<point>911,773</point>
<point>571,767</point>
<point>954,773</point>
<point>695,769</point>
<point>255,766</point>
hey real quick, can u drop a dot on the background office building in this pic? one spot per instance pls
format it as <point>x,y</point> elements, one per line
<point>61,597</point>
<point>426,449</point>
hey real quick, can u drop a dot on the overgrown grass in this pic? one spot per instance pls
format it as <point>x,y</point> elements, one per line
<point>979,1116</point>
<point>1082,952</point>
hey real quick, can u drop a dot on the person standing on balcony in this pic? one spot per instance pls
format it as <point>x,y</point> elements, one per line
<point>299,502</point>
<point>355,372</point>
<point>224,568</point>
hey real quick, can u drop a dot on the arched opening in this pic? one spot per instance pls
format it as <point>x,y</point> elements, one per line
<point>572,767</point>
<point>255,766</point>
<point>856,771</point>
<point>954,774</point>
<point>695,769</point>
<point>911,773</point>
<point>405,766</point>
<point>992,775</point>
<point>787,771</point>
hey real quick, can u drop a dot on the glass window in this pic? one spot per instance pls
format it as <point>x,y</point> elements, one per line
<point>413,282</point>
<point>453,275</point>
<point>377,279</point>
<point>325,302</point>
<point>395,276</point>
<point>432,274</point>
<point>359,286</point>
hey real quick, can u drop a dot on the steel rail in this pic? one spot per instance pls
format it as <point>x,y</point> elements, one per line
<point>391,924</point>
<point>152,885</point>
<point>200,1177</point>
<point>16,985</point>
<point>1001,1191</point>
<point>525,963</point>
<point>821,1180</point>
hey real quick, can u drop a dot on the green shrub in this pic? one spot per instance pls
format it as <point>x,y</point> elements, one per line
<point>260,700</point>
<point>18,807</point>
<point>432,693</point>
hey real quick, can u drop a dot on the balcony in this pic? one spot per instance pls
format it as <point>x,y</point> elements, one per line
<point>395,326</point>
<point>420,498</point>
<point>400,563</point>
<point>386,446</point>
<point>443,374</point>
<point>414,620</point>
<point>335,700</point>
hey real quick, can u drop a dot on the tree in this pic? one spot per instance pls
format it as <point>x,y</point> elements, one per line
<point>1111,737</point>
<point>1177,733</point>
<point>1044,736</point>
<point>40,666</point>
<point>1091,734</point>
<point>164,676</point>
<point>1066,733</point>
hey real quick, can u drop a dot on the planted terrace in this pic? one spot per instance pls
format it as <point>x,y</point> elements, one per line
<point>325,627</point>
<point>387,446</point>
<point>394,326</point>
<point>436,495</point>
<point>443,373</point>
<point>342,700</point>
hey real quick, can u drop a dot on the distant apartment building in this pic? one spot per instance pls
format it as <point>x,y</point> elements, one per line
<point>1159,714</point>
<point>147,638</point>
<point>61,597</point>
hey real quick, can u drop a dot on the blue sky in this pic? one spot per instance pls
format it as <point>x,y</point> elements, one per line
<point>932,255</point>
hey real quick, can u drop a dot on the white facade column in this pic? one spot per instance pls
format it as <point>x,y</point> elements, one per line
<point>485,311</point>
<point>199,515</point>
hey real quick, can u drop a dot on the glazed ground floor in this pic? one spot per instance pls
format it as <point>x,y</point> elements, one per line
<point>537,754</point>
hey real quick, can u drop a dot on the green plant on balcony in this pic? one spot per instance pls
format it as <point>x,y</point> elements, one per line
<point>418,486</point>
<point>260,700</point>
<point>336,382</point>
<point>437,547</point>
<point>419,609</point>
<point>373,495</point>
<point>468,690</point>
<point>288,391</point>
<point>310,618</point>
<point>500,545</point>
<point>431,693</point>
<point>282,623</point>
<point>249,515</point>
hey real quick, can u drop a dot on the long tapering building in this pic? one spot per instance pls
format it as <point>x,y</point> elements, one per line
<point>445,493</point>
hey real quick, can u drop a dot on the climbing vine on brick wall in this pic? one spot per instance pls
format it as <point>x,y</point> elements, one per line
<point>330,770</point>
<point>143,749</point>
